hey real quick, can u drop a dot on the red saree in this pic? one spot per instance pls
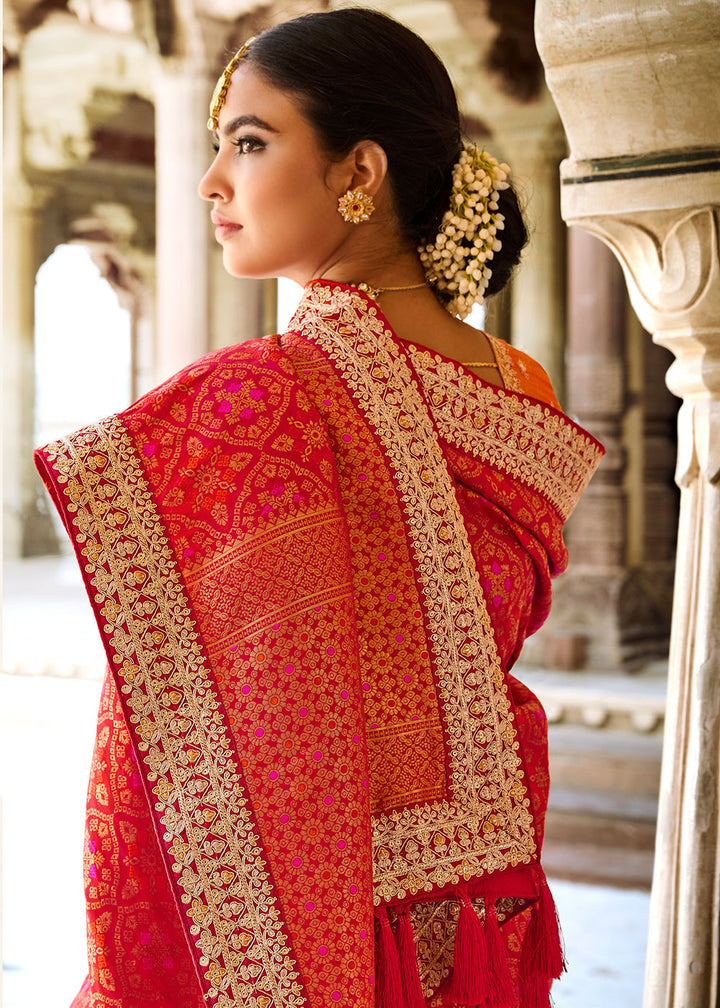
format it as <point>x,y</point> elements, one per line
<point>313,560</point>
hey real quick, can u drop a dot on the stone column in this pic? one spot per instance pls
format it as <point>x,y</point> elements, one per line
<point>142,372</point>
<point>596,395</point>
<point>585,624</point>
<point>236,306</point>
<point>199,306</point>
<point>183,153</point>
<point>654,498</point>
<point>643,123</point>
<point>538,287</point>
<point>27,526</point>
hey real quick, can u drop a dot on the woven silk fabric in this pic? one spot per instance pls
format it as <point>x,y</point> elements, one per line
<point>313,560</point>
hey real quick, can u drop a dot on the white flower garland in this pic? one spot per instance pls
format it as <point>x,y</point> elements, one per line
<point>458,261</point>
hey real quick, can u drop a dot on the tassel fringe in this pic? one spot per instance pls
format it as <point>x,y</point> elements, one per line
<point>501,990</point>
<point>405,937</point>
<point>388,977</point>
<point>470,978</point>
<point>535,992</point>
<point>481,974</point>
<point>543,955</point>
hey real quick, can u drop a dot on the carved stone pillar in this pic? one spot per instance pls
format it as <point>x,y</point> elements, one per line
<point>683,966</point>
<point>27,528</point>
<point>236,305</point>
<point>597,396</point>
<point>643,123</point>
<point>612,607</point>
<point>199,307</point>
<point>538,287</point>
<point>585,624</point>
<point>183,232</point>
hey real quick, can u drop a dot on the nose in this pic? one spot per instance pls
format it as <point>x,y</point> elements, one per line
<point>211,186</point>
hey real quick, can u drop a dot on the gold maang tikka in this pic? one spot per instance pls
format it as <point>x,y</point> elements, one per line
<point>221,88</point>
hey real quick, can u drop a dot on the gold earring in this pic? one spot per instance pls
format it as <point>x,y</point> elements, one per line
<point>355,206</point>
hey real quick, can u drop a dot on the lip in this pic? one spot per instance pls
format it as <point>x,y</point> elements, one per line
<point>224,228</point>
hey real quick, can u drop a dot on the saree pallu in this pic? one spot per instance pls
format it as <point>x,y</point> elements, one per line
<point>313,560</point>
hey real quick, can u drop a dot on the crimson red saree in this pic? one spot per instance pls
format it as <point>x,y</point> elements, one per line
<point>313,560</point>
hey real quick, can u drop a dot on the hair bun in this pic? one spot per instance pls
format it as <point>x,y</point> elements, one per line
<point>457,263</point>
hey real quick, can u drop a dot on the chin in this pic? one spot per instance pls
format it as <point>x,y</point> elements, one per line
<point>247,271</point>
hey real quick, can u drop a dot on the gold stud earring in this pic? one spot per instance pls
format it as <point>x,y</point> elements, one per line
<point>355,206</point>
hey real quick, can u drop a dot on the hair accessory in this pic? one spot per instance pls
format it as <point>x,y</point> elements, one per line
<point>221,88</point>
<point>375,292</point>
<point>355,206</point>
<point>457,263</point>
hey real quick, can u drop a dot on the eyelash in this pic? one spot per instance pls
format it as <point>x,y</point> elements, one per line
<point>254,143</point>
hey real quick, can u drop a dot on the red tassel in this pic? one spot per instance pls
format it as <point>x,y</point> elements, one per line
<point>388,979</point>
<point>543,954</point>
<point>535,992</point>
<point>501,989</point>
<point>412,988</point>
<point>470,978</point>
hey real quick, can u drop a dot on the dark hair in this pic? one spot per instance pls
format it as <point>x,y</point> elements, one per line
<point>360,75</point>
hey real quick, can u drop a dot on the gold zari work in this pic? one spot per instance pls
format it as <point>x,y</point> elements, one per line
<point>523,438</point>
<point>487,825</point>
<point>175,712</point>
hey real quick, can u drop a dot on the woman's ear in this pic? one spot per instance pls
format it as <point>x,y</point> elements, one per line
<point>365,167</point>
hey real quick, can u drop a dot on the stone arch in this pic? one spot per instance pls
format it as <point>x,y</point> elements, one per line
<point>82,343</point>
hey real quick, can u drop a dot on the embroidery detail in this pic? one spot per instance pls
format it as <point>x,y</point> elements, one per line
<point>434,924</point>
<point>507,364</point>
<point>487,824</point>
<point>210,838</point>
<point>520,437</point>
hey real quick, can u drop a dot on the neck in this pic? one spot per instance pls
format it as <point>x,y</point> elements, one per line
<point>394,265</point>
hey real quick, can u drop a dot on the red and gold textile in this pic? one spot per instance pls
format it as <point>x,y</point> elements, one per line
<point>313,560</point>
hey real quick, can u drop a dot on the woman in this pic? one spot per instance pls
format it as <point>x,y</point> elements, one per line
<point>313,559</point>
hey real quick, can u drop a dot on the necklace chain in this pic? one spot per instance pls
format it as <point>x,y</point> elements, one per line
<point>375,292</point>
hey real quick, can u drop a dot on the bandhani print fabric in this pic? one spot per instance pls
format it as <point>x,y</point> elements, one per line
<point>313,560</point>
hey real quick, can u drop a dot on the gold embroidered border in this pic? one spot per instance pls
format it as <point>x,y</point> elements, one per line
<point>176,719</point>
<point>506,362</point>
<point>488,825</point>
<point>521,437</point>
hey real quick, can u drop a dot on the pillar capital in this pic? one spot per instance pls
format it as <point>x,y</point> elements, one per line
<point>658,217</point>
<point>671,261</point>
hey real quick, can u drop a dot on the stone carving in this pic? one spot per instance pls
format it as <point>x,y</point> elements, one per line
<point>669,268</point>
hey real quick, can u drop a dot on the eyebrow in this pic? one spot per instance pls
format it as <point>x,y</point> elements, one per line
<point>246,120</point>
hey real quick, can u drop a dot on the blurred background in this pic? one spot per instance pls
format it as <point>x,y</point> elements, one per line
<point>113,281</point>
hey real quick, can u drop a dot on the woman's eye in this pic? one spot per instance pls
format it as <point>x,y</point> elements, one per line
<point>248,145</point>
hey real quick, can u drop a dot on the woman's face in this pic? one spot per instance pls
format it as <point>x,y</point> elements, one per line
<point>272,188</point>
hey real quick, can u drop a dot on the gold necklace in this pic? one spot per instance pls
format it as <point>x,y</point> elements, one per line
<point>375,292</point>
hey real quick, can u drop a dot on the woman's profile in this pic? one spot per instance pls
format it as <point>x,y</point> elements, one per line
<point>313,559</point>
